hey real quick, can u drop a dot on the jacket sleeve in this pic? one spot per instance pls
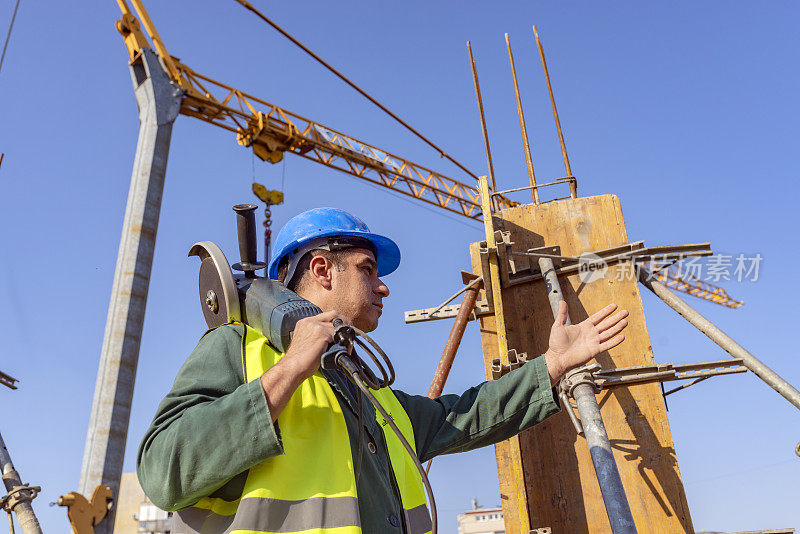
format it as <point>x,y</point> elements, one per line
<point>209,428</point>
<point>483,415</point>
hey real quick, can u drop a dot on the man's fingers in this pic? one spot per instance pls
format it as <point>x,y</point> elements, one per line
<point>611,321</point>
<point>602,314</point>
<point>611,343</point>
<point>329,315</point>
<point>613,330</point>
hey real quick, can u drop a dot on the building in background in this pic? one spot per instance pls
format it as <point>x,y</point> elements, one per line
<point>135,513</point>
<point>481,520</point>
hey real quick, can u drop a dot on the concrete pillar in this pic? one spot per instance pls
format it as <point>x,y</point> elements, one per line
<point>159,103</point>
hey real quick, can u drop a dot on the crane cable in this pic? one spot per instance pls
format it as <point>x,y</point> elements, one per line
<point>8,37</point>
<point>247,5</point>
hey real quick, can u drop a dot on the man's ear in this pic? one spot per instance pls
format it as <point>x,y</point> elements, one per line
<point>321,271</point>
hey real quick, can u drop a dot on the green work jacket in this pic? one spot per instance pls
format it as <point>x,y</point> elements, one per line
<point>212,427</point>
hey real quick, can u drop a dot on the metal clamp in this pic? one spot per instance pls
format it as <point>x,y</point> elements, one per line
<point>515,361</point>
<point>19,494</point>
<point>580,375</point>
<point>601,379</point>
<point>574,378</point>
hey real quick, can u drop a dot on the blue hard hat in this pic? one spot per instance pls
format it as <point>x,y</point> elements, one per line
<point>301,230</point>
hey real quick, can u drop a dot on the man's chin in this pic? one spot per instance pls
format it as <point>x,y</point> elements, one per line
<point>366,326</point>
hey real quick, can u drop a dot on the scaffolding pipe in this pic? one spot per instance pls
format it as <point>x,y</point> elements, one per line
<point>719,337</point>
<point>454,340</point>
<point>11,479</point>
<point>605,468</point>
<point>159,101</point>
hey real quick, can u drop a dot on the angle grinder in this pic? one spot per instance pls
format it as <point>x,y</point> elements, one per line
<point>259,302</point>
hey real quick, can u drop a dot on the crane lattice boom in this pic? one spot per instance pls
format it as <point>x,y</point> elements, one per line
<point>270,131</point>
<point>687,283</point>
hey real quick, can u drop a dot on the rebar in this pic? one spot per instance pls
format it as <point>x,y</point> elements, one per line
<point>485,132</point>
<point>454,339</point>
<point>526,146</point>
<point>573,186</point>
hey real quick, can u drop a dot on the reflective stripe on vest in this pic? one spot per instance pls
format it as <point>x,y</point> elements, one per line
<point>311,488</point>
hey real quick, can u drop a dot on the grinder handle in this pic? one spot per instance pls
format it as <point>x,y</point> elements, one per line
<point>246,228</point>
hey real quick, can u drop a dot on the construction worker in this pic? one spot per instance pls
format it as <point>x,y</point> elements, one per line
<point>251,440</point>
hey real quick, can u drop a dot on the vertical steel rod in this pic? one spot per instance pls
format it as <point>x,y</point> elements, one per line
<point>159,103</point>
<point>526,146</point>
<point>719,337</point>
<point>605,468</point>
<point>483,121</point>
<point>25,515</point>
<point>573,187</point>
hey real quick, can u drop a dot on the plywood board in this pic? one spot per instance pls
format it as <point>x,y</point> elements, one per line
<point>546,473</point>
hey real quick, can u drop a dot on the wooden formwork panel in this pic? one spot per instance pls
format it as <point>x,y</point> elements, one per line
<point>546,473</point>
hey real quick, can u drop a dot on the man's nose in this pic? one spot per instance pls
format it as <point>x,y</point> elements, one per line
<point>381,289</point>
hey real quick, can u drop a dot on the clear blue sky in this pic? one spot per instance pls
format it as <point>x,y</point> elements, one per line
<point>687,111</point>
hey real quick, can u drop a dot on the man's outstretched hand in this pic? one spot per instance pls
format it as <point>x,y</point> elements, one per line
<point>573,345</point>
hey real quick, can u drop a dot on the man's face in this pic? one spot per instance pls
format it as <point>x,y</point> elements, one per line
<point>356,290</point>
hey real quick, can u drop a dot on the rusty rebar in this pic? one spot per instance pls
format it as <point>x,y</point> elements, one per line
<point>573,186</point>
<point>454,340</point>
<point>526,146</point>
<point>483,121</point>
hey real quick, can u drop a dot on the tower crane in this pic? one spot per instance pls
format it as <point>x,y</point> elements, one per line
<point>270,131</point>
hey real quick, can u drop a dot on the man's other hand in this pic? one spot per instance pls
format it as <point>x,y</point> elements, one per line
<point>573,345</point>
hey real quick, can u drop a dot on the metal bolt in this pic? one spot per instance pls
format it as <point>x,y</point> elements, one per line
<point>211,301</point>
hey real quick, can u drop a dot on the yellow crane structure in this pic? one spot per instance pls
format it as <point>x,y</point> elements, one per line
<point>270,130</point>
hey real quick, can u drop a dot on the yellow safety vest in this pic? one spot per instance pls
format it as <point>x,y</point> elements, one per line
<point>311,488</point>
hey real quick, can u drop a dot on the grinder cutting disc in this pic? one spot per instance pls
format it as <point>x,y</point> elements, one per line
<point>219,298</point>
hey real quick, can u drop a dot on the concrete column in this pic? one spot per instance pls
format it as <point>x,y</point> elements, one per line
<point>159,103</point>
